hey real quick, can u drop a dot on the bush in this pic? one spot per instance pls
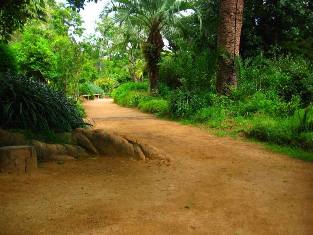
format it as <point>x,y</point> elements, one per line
<point>189,69</point>
<point>80,108</point>
<point>210,114</point>
<point>130,94</point>
<point>155,105</point>
<point>295,130</point>
<point>285,77</point>
<point>7,60</point>
<point>28,104</point>
<point>106,84</point>
<point>184,103</point>
<point>258,102</point>
<point>133,98</point>
<point>274,131</point>
<point>89,88</point>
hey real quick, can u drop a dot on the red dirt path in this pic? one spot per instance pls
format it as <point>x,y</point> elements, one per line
<point>212,185</point>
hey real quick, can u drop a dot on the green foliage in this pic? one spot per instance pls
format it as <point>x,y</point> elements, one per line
<point>80,109</point>
<point>28,104</point>
<point>90,89</point>
<point>130,91</point>
<point>189,69</point>
<point>15,13</point>
<point>34,53</point>
<point>296,130</point>
<point>133,98</point>
<point>135,95</point>
<point>107,84</point>
<point>184,103</point>
<point>155,105</point>
<point>7,59</point>
<point>285,77</point>
<point>258,103</point>
<point>210,114</point>
<point>286,24</point>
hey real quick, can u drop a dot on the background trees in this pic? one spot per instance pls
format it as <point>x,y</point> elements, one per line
<point>153,16</point>
<point>15,13</point>
<point>183,56</point>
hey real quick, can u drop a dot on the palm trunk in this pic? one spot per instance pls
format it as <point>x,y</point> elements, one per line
<point>152,52</point>
<point>228,43</point>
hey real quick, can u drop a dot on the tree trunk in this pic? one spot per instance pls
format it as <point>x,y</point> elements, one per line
<point>228,43</point>
<point>152,52</point>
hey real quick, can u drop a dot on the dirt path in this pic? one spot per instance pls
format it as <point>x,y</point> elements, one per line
<point>211,186</point>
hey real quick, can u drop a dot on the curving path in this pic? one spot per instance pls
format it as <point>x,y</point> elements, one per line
<point>212,185</point>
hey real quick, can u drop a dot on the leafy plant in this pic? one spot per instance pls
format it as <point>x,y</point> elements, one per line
<point>89,88</point>
<point>28,104</point>
<point>120,93</point>
<point>7,59</point>
<point>155,105</point>
<point>106,84</point>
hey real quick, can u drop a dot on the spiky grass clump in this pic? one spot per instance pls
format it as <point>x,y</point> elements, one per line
<point>28,104</point>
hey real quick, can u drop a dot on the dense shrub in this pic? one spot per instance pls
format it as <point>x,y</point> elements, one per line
<point>184,103</point>
<point>132,98</point>
<point>189,69</point>
<point>89,88</point>
<point>107,84</point>
<point>295,130</point>
<point>28,104</point>
<point>216,114</point>
<point>154,105</point>
<point>130,94</point>
<point>271,103</point>
<point>286,77</point>
<point>7,59</point>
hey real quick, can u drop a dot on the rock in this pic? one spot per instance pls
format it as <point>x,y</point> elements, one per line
<point>108,143</point>
<point>76,151</point>
<point>82,140</point>
<point>46,152</point>
<point>59,157</point>
<point>18,159</point>
<point>11,138</point>
<point>138,152</point>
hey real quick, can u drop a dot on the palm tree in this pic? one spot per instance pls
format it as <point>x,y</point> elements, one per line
<point>152,15</point>
<point>228,42</point>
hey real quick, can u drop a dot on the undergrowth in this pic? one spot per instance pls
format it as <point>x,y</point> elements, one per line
<point>272,104</point>
<point>29,104</point>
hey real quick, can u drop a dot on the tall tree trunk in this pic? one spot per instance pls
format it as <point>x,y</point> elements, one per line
<point>228,43</point>
<point>152,52</point>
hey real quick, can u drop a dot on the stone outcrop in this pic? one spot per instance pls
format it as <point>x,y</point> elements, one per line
<point>18,159</point>
<point>85,143</point>
<point>106,143</point>
<point>51,152</point>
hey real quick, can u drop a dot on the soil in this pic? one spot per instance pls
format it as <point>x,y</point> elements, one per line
<point>211,185</point>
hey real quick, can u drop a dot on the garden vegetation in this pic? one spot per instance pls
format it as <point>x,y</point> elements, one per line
<point>178,59</point>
